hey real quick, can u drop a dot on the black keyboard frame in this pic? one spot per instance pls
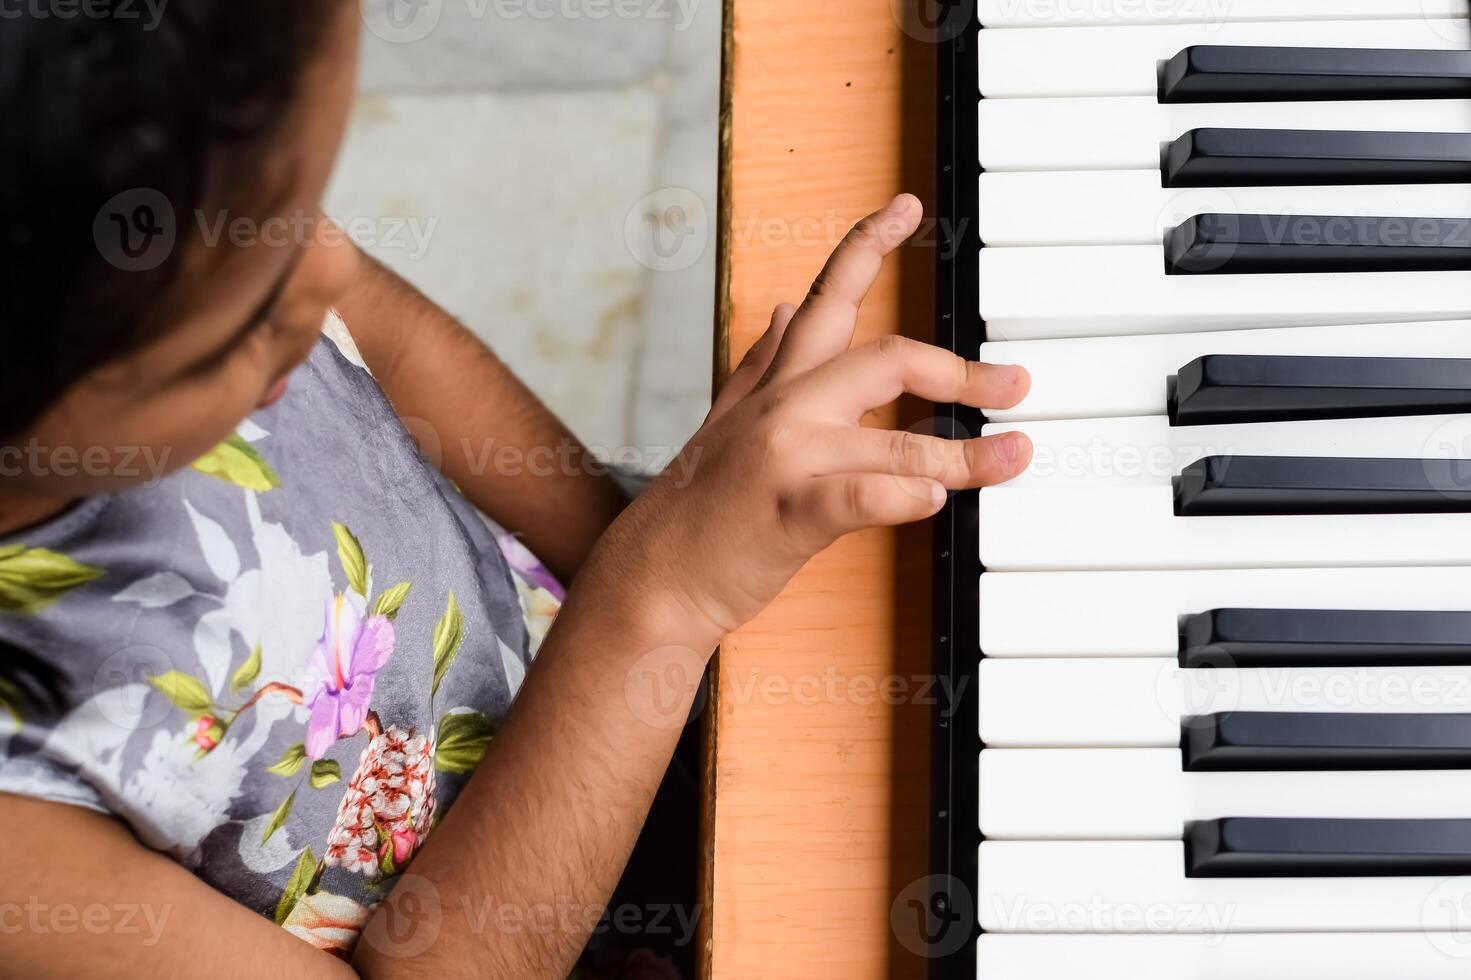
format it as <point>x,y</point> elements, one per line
<point>951,919</point>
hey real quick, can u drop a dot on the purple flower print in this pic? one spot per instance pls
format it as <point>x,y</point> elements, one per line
<point>519,557</point>
<point>340,672</point>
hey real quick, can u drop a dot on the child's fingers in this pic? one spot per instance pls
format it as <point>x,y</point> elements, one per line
<point>832,506</point>
<point>823,327</point>
<point>878,373</point>
<point>956,463</point>
<point>752,369</point>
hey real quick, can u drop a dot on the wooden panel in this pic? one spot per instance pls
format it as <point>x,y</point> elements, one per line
<point>816,796</point>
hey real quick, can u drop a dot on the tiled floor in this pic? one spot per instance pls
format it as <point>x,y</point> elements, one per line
<point>546,170</point>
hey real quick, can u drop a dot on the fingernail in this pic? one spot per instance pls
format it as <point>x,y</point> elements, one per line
<point>1009,373</point>
<point>899,203</point>
<point>1008,448</point>
<point>937,494</point>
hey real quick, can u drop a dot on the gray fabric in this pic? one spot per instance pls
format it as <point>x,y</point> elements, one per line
<point>132,605</point>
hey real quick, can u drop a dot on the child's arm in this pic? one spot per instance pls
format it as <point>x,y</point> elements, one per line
<point>512,882</point>
<point>479,424</point>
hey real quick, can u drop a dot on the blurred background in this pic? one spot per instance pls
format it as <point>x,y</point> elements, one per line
<point>546,171</point>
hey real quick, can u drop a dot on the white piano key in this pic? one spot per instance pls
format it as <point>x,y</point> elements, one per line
<point>1099,290</point>
<point>1058,13</point>
<point>1106,377</point>
<point>1148,451</point>
<point>1141,702</point>
<point>1125,133</point>
<point>1129,207</point>
<point>1106,527</point>
<point>1142,794</point>
<point>1137,614</point>
<point>1092,61</point>
<point>1278,956</point>
<point>1140,887</point>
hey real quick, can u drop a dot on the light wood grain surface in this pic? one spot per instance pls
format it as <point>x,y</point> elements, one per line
<point>816,788</point>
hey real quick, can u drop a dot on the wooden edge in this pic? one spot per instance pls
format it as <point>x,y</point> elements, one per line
<point>721,369</point>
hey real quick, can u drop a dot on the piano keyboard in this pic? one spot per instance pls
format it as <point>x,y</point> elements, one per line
<point>1220,725</point>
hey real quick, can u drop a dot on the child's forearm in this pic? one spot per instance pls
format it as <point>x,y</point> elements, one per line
<point>479,424</point>
<point>519,873</point>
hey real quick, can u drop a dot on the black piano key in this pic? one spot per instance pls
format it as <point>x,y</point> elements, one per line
<point>1269,485</point>
<point>1252,73</point>
<point>1220,388</point>
<point>1236,244</point>
<point>1274,741</point>
<point>1276,847</point>
<point>1325,638</point>
<point>1277,157</point>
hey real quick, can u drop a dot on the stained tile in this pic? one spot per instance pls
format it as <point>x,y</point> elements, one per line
<point>518,45</point>
<point>510,211</point>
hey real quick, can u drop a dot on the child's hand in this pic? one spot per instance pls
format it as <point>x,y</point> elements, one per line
<point>782,468</point>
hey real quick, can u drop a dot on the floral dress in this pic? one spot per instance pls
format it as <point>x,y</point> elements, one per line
<point>279,665</point>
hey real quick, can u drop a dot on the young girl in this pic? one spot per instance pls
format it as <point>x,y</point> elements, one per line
<point>254,644</point>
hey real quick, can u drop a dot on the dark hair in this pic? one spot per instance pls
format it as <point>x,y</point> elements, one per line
<point>113,119</point>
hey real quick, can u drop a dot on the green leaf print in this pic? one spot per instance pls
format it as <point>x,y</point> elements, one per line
<point>248,671</point>
<point>325,772</point>
<point>463,739</point>
<point>448,633</point>
<point>389,601</point>
<point>236,461</point>
<point>296,885</point>
<point>10,701</point>
<point>186,692</point>
<point>291,761</point>
<point>354,564</point>
<point>279,817</point>
<point>33,578</point>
